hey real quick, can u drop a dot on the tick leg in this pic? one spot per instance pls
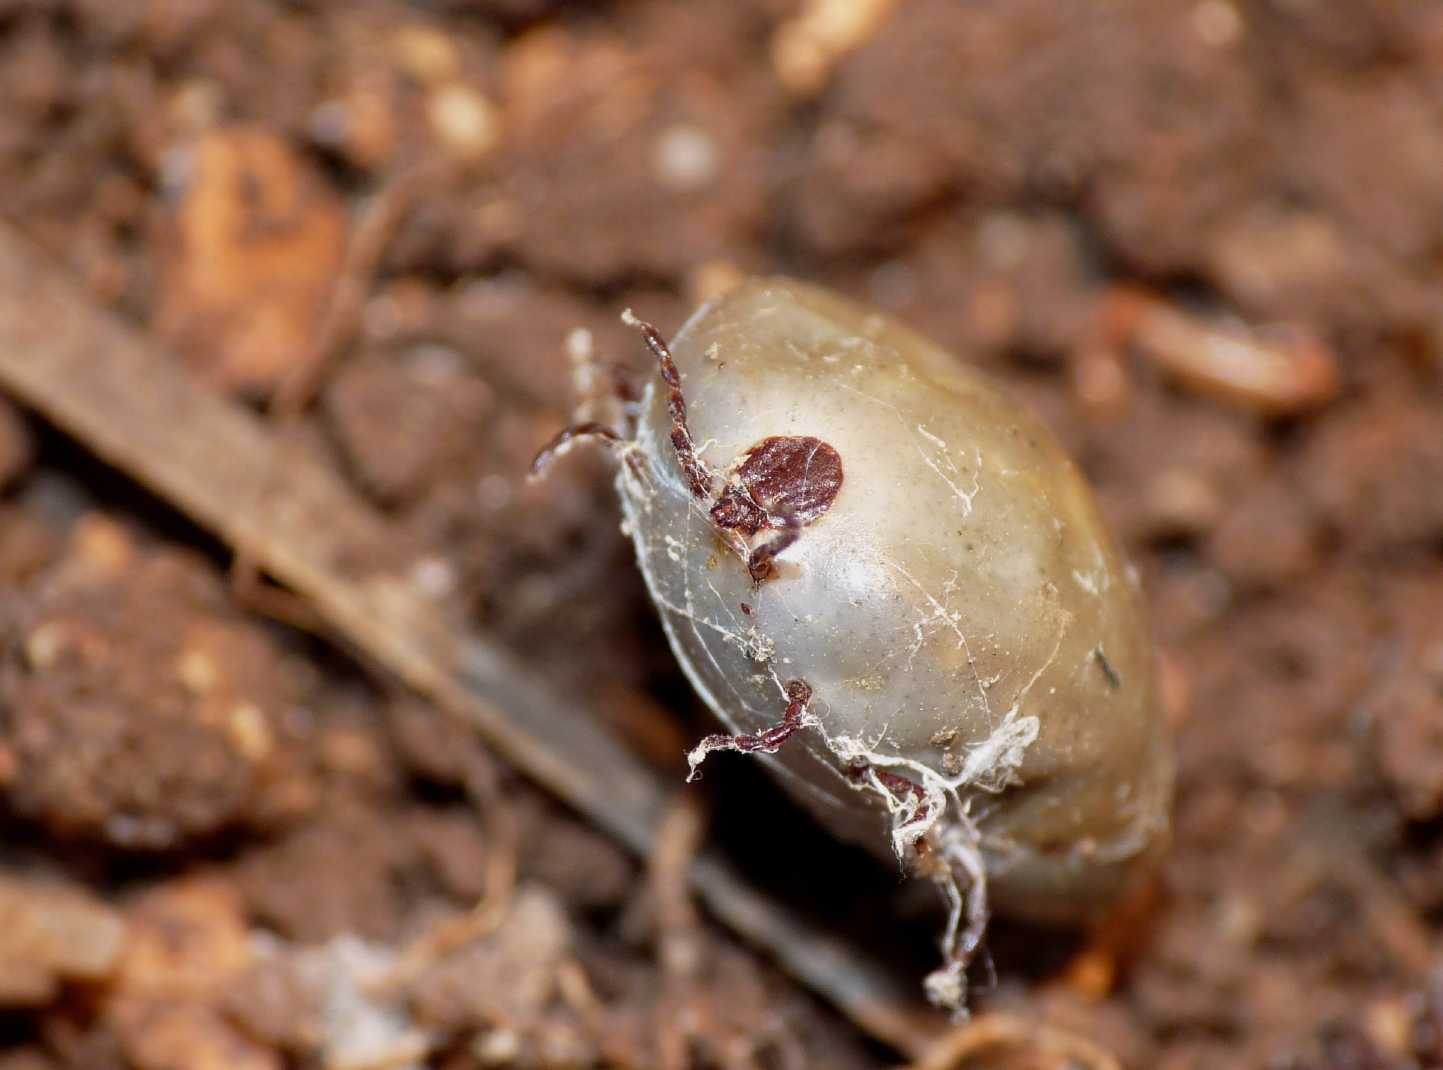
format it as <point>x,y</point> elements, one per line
<point>963,880</point>
<point>563,438</point>
<point>900,785</point>
<point>950,856</point>
<point>767,741</point>
<point>760,561</point>
<point>698,475</point>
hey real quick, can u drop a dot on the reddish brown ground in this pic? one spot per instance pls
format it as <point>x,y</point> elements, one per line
<point>988,171</point>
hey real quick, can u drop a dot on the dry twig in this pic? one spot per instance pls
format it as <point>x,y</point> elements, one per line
<point>1276,372</point>
<point>980,1043</point>
<point>678,935</point>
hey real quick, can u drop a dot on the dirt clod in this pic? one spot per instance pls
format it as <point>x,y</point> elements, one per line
<point>143,711</point>
<point>51,933</point>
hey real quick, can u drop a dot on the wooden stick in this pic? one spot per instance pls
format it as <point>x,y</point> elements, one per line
<point>135,406</point>
<point>995,1034</point>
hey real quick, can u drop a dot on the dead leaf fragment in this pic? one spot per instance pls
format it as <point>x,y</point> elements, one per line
<point>253,247</point>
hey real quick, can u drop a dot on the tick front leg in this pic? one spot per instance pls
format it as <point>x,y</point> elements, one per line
<point>562,440</point>
<point>698,476</point>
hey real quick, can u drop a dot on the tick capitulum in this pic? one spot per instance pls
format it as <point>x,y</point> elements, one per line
<point>899,594</point>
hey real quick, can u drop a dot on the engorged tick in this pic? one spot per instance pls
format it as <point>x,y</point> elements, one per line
<point>934,641</point>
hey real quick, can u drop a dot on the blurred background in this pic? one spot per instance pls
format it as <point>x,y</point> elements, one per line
<point>1202,238</point>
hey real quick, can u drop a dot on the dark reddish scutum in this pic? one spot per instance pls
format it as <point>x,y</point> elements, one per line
<point>783,481</point>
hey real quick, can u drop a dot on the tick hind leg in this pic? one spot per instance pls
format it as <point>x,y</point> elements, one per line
<point>767,741</point>
<point>962,876</point>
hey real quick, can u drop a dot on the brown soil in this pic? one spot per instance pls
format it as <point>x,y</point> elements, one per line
<point>282,836</point>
